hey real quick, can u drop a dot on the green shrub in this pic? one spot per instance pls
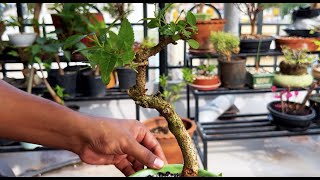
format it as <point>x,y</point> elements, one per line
<point>225,43</point>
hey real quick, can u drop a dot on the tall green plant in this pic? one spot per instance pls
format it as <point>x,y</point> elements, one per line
<point>116,49</point>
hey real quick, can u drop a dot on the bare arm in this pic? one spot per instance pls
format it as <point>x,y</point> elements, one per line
<point>125,143</point>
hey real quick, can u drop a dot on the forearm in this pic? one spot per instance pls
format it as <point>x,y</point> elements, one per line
<point>26,117</point>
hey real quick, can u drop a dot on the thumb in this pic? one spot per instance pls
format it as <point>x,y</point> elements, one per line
<point>144,156</point>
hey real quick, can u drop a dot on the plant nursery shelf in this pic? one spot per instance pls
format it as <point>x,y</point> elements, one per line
<point>253,127</point>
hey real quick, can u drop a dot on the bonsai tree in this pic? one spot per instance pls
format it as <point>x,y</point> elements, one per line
<point>225,44</point>
<point>252,10</point>
<point>113,49</point>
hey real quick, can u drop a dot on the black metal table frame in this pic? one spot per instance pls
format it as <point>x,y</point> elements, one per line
<point>219,129</point>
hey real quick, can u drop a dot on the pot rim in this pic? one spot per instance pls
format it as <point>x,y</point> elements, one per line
<point>307,117</point>
<point>172,168</point>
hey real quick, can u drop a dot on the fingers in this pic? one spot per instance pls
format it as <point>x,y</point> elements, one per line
<point>125,167</point>
<point>148,152</point>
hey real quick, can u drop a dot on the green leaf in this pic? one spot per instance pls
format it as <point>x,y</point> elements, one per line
<point>154,23</point>
<point>193,43</point>
<point>126,34</point>
<point>67,54</point>
<point>13,53</point>
<point>106,66</point>
<point>176,37</point>
<point>70,41</point>
<point>38,60</point>
<point>191,19</point>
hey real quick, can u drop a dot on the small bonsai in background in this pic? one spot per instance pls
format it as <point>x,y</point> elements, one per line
<point>232,68</point>
<point>295,61</point>
<point>225,44</point>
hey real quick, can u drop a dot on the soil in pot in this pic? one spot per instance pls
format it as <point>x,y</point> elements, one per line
<point>171,170</point>
<point>159,127</point>
<point>293,69</point>
<point>250,43</point>
<point>292,120</point>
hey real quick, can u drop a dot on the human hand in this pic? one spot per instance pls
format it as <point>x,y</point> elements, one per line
<point>127,144</point>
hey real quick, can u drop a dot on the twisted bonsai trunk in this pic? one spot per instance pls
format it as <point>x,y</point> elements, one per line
<point>175,124</point>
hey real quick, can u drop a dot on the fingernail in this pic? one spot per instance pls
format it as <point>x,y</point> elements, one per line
<point>158,163</point>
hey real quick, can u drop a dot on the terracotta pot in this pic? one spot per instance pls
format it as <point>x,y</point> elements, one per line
<point>297,43</point>
<point>206,83</point>
<point>168,142</point>
<point>204,30</point>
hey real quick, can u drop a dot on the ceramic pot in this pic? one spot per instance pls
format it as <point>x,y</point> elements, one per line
<point>173,169</point>
<point>22,39</point>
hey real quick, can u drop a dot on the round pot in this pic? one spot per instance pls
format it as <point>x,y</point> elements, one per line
<point>301,33</point>
<point>293,69</point>
<point>94,85</point>
<point>126,78</point>
<point>294,81</point>
<point>206,83</point>
<point>68,81</point>
<point>251,45</point>
<point>204,29</point>
<point>167,141</point>
<point>289,121</point>
<point>22,39</point>
<point>297,43</point>
<point>314,102</point>
<point>232,73</point>
<point>173,169</point>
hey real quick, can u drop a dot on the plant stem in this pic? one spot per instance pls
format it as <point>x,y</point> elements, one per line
<point>303,104</point>
<point>61,71</point>
<point>53,94</point>
<point>30,80</point>
<point>175,124</point>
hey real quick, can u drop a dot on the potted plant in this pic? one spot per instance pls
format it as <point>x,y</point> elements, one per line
<point>123,53</point>
<point>231,67</point>
<point>293,69</point>
<point>249,42</point>
<point>159,126</point>
<point>206,24</point>
<point>257,77</point>
<point>290,115</point>
<point>204,78</point>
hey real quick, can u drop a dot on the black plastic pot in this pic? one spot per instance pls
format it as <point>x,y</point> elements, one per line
<point>126,78</point>
<point>251,45</point>
<point>305,13</point>
<point>94,86</point>
<point>288,121</point>
<point>232,74</point>
<point>314,101</point>
<point>301,33</point>
<point>68,81</point>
